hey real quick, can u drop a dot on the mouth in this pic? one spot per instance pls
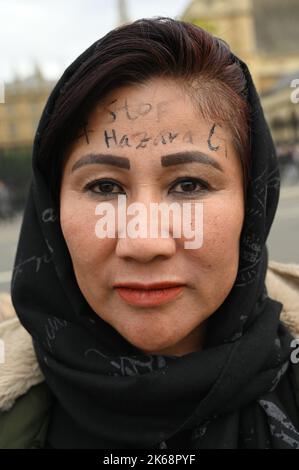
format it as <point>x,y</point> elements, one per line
<point>148,295</point>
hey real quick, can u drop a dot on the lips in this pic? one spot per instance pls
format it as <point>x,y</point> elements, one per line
<point>148,295</point>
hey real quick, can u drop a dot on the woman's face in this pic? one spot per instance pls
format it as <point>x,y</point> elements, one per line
<point>157,149</point>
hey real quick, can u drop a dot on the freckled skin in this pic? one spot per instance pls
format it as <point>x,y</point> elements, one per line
<point>209,272</point>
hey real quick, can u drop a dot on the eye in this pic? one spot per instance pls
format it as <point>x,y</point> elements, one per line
<point>103,187</point>
<point>190,186</point>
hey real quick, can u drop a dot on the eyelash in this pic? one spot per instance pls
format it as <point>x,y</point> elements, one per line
<point>205,187</point>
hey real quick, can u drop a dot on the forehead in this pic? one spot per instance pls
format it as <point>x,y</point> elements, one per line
<point>156,112</point>
<point>148,120</point>
<point>157,101</point>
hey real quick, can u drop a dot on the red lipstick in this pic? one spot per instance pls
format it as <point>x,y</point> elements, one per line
<point>148,295</point>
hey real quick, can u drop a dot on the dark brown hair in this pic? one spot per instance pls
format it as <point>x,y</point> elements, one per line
<point>134,53</point>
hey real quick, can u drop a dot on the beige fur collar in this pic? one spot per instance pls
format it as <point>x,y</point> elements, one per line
<point>20,370</point>
<point>282,282</point>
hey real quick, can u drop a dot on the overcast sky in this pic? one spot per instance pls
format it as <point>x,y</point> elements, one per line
<point>54,32</point>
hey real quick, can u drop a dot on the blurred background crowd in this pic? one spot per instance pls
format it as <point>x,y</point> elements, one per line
<point>40,38</point>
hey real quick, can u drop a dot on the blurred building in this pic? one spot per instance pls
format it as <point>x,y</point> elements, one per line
<point>20,114</point>
<point>265,33</point>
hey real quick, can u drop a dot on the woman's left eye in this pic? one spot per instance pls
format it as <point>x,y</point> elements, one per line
<point>190,186</point>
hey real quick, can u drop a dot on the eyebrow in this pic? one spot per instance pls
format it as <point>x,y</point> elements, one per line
<point>178,158</point>
<point>190,157</point>
<point>107,159</point>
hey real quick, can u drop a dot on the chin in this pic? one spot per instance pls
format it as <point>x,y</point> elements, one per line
<point>153,345</point>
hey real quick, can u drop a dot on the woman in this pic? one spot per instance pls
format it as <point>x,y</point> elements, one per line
<point>143,342</point>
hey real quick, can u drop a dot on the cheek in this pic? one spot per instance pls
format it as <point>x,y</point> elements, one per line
<point>222,225</point>
<point>78,221</point>
<point>215,264</point>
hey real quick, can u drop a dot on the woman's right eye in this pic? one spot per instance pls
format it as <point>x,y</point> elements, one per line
<point>103,187</point>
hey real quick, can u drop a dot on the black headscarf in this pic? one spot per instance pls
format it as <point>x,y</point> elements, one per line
<point>234,393</point>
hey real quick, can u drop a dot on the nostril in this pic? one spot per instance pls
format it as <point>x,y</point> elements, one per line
<point>145,249</point>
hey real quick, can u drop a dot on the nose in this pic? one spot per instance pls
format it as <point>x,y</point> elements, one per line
<point>145,249</point>
<point>150,245</point>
